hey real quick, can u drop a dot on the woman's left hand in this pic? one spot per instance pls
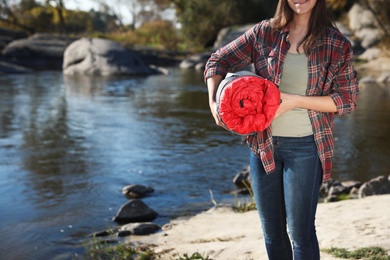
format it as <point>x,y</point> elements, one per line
<point>318,103</point>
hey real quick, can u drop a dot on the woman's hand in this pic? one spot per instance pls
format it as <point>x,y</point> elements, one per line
<point>213,109</point>
<point>288,102</point>
<point>214,112</point>
<point>318,103</point>
<point>212,85</point>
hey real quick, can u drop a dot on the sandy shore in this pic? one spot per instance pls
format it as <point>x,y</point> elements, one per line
<point>220,233</point>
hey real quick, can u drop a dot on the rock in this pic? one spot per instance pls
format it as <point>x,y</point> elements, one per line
<point>200,66</point>
<point>136,191</point>
<point>360,18</point>
<point>375,68</point>
<point>195,61</point>
<point>242,179</point>
<point>123,233</point>
<point>159,57</point>
<point>225,36</point>
<point>332,190</point>
<point>140,229</point>
<point>230,33</point>
<point>369,37</point>
<point>38,52</point>
<point>354,193</point>
<point>337,190</point>
<point>94,56</point>
<point>364,26</point>
<point>325,187</point>
<point>135,211</point>
<point>350,36</point>
<point>370,54</point>
<point>7,36</point>
<point>104,233</point>
<point>384,78</point>
<point>367,79</point>
<point>377,186</point>
<point>9,68</point>
<point>349,185</point>
<point>344,30</point>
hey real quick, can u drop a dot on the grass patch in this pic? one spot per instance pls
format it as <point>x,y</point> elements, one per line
<point>366,253</point>
<point>228,239</point>
<point>102,250</point>
<point>242,207</point>
<point>245,206</point>
<point>194,256</point>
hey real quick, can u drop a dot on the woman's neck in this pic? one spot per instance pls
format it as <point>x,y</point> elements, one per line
<point>300,24</point>
<point>299,27</point>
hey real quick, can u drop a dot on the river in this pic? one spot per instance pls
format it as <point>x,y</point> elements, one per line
<point>68,145</point>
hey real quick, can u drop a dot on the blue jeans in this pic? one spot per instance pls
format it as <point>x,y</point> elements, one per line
<point>289,197</point>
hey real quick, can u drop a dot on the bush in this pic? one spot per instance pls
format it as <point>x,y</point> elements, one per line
<point>158,34</point>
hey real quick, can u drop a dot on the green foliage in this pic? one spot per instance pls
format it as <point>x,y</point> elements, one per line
<point>156,34</point>
<point>201,20</point>
<point>367,253</point>
<point>159,33</point>
<point>194,256</point>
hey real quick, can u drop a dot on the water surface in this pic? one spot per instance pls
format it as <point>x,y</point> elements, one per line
<point>68,145</point>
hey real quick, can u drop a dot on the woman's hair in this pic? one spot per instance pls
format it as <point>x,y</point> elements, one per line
<point>320,18</point>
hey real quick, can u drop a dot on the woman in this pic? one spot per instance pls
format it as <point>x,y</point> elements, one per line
<point>311,62</point>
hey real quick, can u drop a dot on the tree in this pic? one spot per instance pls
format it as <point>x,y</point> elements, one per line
<point>51,16</point>
<point>9,14</point>
<point>60,9</point>
<point>141,11</point>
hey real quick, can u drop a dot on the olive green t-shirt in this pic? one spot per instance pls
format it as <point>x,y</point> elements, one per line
<point>296,122</point>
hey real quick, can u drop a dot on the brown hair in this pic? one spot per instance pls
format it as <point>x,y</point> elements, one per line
<point>320,18</point>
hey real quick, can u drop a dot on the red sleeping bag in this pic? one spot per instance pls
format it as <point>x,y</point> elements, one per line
<point>246,102</point>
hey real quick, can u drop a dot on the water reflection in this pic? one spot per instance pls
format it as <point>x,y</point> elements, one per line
<point>51,152</point>
<point>363,138</point>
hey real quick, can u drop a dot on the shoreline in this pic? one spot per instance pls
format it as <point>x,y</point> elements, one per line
<point>221,233</point>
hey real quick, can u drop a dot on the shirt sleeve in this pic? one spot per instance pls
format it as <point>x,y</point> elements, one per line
<point>345,84</point>
<point>234,56</point>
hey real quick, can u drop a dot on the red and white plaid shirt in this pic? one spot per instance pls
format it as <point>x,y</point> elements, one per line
<point>330,73</point>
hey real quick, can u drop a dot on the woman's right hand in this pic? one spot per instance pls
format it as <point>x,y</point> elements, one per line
<point>214,112</point>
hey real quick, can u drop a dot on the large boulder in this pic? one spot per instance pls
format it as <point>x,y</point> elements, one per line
<point>9,68</point>
<point>38,52</point>
<point>7,36</point>
<point>94,56</point>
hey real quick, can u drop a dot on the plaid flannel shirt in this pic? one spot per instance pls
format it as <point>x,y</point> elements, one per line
<point>330,73</point>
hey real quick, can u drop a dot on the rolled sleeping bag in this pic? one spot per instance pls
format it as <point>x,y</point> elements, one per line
<point>246,102</point>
